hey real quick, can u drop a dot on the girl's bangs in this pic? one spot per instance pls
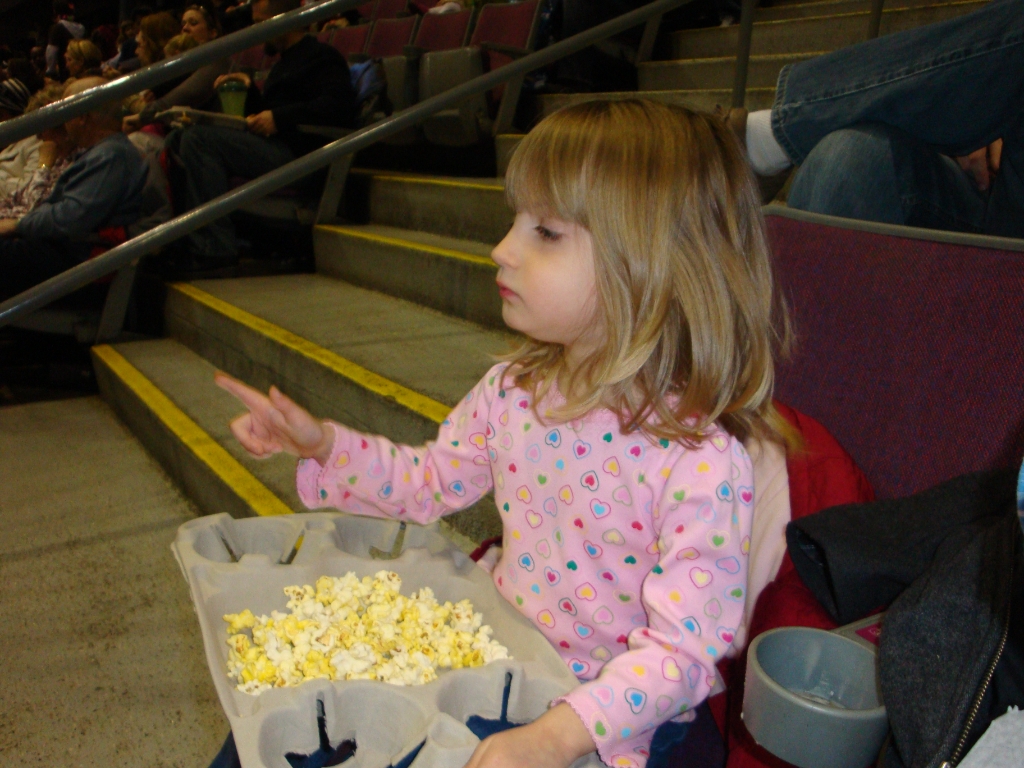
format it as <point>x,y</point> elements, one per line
<point>548,171</point>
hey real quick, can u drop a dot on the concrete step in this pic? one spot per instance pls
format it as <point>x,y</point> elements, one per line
<point>468,209</point>
<point>450,275</point>
<point>371,361</point>
<point>103,658</point>
<point>717,73</point>
<point>163,390</point>
<point>702,101</point>
<point>798,10</point>
<point>816,33</point>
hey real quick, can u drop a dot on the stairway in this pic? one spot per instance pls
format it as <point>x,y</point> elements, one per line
<point>700,74</point>
<point>400,321</point>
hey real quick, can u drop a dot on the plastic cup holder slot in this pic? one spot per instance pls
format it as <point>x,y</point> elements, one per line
<point>229,540</point>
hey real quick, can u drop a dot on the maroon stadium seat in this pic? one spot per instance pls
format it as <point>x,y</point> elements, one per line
<point>367,10</point>
<point>351,40</point>
<point>910,345</point>
<point>390,36</point>
<point>443,31</point>
<point>391,9</point>
<point>511,24</point>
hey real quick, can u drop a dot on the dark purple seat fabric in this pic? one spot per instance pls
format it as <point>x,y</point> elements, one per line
<point>911,352</point>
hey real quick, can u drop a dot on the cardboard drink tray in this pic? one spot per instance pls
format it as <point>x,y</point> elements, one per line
<point>233,564</point>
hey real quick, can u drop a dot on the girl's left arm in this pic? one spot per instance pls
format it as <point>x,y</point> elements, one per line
<point>694,598</point>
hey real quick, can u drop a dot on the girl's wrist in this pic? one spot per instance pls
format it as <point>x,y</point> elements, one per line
<point>322,453</point>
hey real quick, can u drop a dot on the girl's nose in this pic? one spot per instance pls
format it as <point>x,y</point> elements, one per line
<point>502,255</point>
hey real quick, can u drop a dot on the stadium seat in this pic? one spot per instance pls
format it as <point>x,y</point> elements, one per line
<point>910,345</point>
<point>504,31</point>
<point>350,41</point>
<point>390,9</point>
<point>443,31</point>
<point>388,42</point>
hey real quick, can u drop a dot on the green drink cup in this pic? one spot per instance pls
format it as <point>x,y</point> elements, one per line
<point>232,94</point>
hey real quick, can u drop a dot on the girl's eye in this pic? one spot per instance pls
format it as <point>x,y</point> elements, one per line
<point>547,234</point>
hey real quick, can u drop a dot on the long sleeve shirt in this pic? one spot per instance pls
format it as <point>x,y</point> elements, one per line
<point>309,85</point>
<point>629,555</point>
<point>194,91</point>
<point>102,188</point>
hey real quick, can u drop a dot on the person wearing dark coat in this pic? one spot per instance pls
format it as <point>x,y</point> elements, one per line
<point>309,85</point>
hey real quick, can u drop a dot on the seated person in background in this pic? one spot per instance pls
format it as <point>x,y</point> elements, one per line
<point>155,32</point>
<point>200,26</point>
<point>64,30</point>
<point>935,139</point>
<point>56,153</point>
<point>309,85</point>
<point>83,59</point>
<point>22,157</point>
<point>101,189</point>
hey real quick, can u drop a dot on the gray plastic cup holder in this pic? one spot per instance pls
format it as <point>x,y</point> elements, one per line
<point>811,698</point>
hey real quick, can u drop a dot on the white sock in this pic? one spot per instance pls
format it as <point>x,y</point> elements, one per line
<point>766,154</point>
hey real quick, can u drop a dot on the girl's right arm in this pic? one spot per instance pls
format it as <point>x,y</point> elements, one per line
<point>368,474</point>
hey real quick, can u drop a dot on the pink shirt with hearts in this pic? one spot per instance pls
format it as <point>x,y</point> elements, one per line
<point>629,555</point>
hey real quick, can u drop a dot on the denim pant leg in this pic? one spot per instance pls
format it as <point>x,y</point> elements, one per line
<point>957,85</point>
<point>211,156</point>
<point>874,172</point>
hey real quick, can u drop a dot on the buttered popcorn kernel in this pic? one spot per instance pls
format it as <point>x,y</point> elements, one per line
<point>348,628</point>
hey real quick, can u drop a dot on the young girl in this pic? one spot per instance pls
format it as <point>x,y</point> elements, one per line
<point>637,269</point>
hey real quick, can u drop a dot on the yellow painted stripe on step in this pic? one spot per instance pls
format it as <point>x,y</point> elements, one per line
<point>472,258</point>
<point>414,401</point>
<point>428,180</point>
<point>254,493</point>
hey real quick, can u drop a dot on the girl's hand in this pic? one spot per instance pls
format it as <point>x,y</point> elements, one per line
<point>276,423</point>
<point>554,740</point>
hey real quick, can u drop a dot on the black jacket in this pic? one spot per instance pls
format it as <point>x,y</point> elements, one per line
<point>309,85</point>
<point>948,563</point>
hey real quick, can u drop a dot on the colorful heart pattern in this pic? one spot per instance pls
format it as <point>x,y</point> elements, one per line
<point>551,576</point>
<point>580,449</point>
<point>636,699</point>
<point>578,667</point>
<point>526,562</point>
<point>603,615</point>
<point>599,508</point>
<point>533,519</point>
<point>728,564</point>
<point>544,549</point>
<point>567,606</point>
<point>553,438</point>
<point>611,467</point>
<point>670,670</point>
<point>589,480</point>
<point>551,506</point>
<point>602,694</point>
<point>700,577</point>
<point>612,536</point>
<point>545,618</point>
<point>592,549</point>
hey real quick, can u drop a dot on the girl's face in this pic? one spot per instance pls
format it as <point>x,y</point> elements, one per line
<point>547,282</point>
<point>193,23</point>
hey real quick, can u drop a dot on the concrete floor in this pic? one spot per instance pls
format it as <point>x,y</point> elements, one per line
<point>102,661</point>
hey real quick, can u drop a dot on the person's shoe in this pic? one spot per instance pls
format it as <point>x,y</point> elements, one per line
<point>769,186</point>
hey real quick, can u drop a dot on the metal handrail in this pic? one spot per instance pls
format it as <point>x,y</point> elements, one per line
<point>739,83</point>
<point>219,48</point>
<point>122,255</point>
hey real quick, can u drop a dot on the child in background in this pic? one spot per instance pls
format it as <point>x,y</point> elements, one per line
<point>637,268</point>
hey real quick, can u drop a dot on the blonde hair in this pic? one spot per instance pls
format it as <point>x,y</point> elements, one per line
<point>686,296</point>
<point>180,44</point>
<point>86,52</point>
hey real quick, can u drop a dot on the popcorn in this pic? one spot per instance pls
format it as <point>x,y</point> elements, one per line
<point>348,628</point>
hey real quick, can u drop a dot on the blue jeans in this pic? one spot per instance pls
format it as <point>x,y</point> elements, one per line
<point>211,156</point>
<point>873,126</point>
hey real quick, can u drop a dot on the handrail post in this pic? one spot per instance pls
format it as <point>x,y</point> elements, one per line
<point>875,19</point>
<point>739,84</point>
<point>650,36</point>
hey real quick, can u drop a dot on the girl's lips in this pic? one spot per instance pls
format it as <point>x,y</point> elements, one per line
<point>505,292</point>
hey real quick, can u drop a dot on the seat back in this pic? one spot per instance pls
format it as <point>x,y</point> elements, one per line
<point>390,36</point>
<point>391,9</point>
<point>910,345</point>
<point>351,40</point>
<point>367,10</point>
<point>443,31</point>
<point>513,24</point>
<point>248,60</point>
